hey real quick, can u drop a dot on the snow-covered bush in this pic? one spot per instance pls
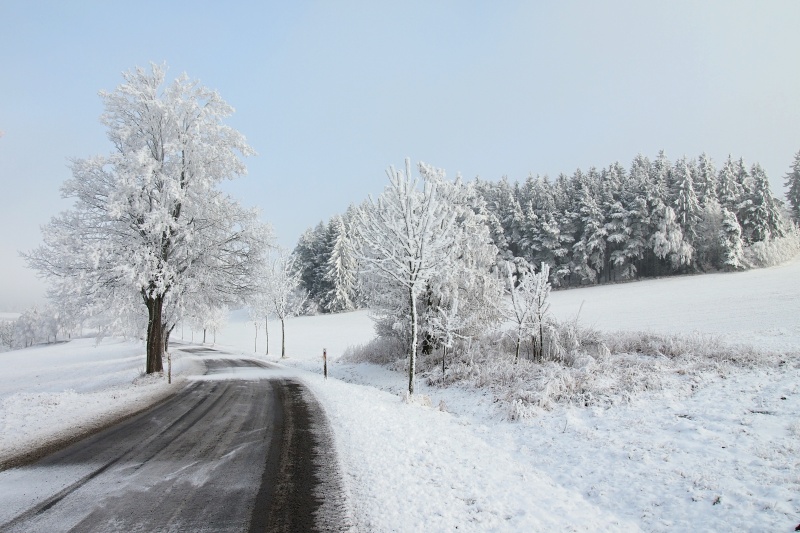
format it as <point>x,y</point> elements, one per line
<point>7,334</point>
<point>586,368</point>
<point>688,346</point>
<point>774,251</point>
<point>378,351</point>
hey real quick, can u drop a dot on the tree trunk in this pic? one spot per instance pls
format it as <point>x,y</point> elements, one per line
<point>167,333</point>
<point>255,341</point>
<point>266,330</point>
<point>155,339</point>
<point>516,353</point>
<point>204,335</point>
<point>283,338</point>
<point>412,354</point>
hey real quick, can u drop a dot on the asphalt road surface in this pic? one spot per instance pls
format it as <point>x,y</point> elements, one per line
<point>246,454</point>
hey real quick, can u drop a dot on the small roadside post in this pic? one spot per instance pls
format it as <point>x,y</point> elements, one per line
<point>325,362</point>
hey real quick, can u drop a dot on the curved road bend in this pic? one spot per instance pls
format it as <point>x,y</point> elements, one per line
<point>250,454</point>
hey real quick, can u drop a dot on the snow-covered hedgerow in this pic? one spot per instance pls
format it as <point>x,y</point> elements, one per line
<point>773,252</point>
<point>378,351</point>
<point>581,366</point>
<point>636,363</point>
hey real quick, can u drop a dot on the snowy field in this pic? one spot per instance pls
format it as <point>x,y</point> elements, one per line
<point>719,451</point>
<point>48,392</point>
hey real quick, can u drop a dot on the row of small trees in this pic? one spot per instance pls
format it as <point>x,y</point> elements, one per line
<point>35,325</point>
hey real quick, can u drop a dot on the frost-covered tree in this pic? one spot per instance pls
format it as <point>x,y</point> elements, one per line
<point>686,205</point>
<point>730,238</point>
<point>667,240</point>
<point>405,236</point>
<point>590,248</point>
<point>342,269</point>
<point>759,213</point>
<point>529,293</point>
<point>280,286</point>
<point>461,299</point>
<point>707,242</point>
<point>7,334</point>
<point>792,185</point>
<point>705,181</point>
<point>148,221</point>
<point>728,191</point>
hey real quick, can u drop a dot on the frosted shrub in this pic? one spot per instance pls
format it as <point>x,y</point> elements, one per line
<point>585,368</point>
<point>773,252</point>
<point>378,351</point>
<point>692,346</point>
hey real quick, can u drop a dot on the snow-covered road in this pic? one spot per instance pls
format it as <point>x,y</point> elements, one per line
<point>239,448</point>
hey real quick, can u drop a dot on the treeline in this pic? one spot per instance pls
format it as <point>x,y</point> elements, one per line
<point>654,218</point>
<point>34,326</point>
<point>325,260</point>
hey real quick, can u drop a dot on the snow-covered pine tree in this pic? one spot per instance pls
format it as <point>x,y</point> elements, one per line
<point>744,188</point>
<point>759,213</point>
<point>311,255</point>
<point>660,177</point>
<point>342,270</point>
<point>730,238</point>
<point>616,221</point>
<point>709,253</point>
<point>667,241</point>
<point>589,251</point>
<point>705,182</point>
<point>686,205</point>
<point>792,185</point>
<point>728,192</point>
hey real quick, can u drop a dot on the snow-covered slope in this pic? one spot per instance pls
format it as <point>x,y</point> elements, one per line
<point>760,306</point>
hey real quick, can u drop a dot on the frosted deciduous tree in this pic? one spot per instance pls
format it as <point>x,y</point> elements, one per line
<point>148,221</point>
<point>529,293</point>
<point>461,299</point>
<point>405,236</point>
<point>281,292</point>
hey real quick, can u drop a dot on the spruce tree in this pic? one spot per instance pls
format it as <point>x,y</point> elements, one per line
<point>760,212</point>
<point>686,205</point>
<point>730,238</point>
<point>793,189</point>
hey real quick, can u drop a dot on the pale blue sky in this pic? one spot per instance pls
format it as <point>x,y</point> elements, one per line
<point>331,93</point>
